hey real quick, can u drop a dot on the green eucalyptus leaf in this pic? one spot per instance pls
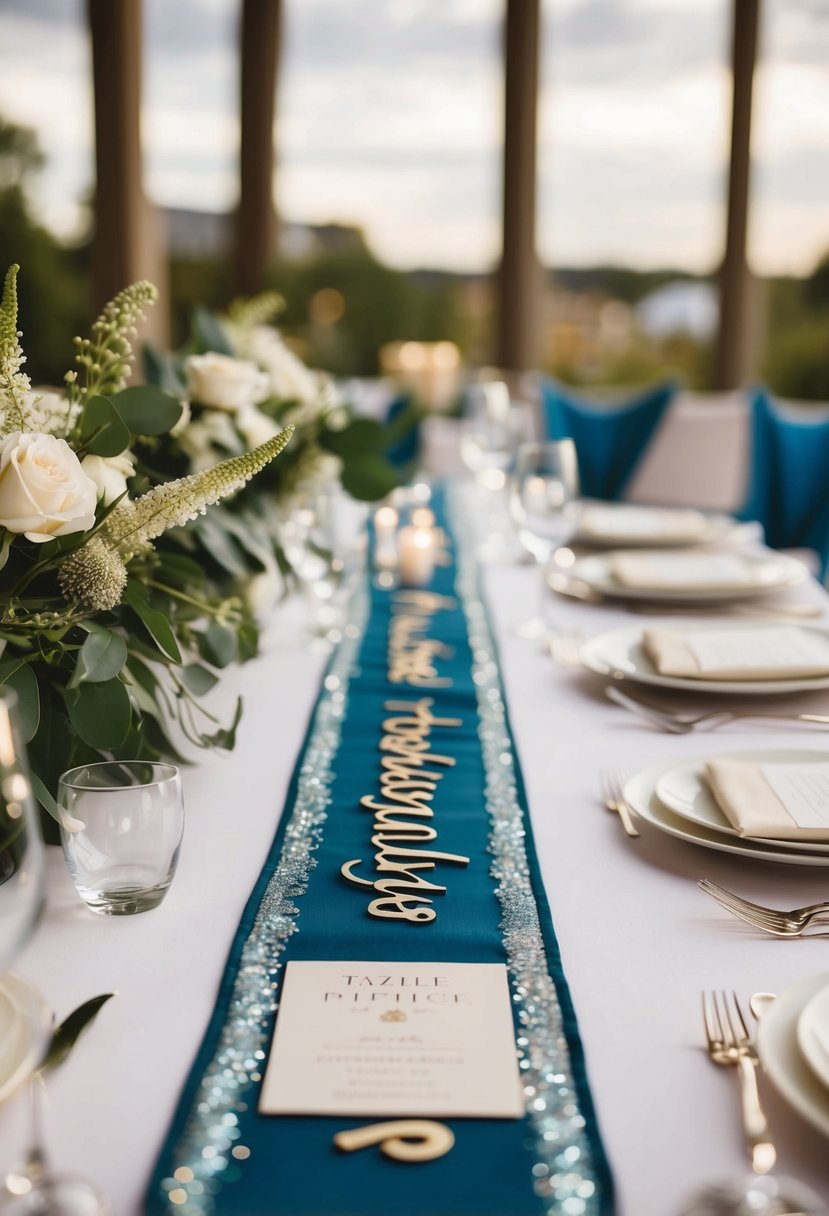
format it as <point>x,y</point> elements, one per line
<point>179,569</point>
<point>161,369</point>
<point>226,736</point>
<point>221,546</point>
<point>103,433</point>
<point>17,674</point>
<point>361,437</point>
<point>210,334</point>
<point>147,410</point>
<point>100,713</point>
<point>154,621</point>
<point>65,1036</point>
<point>197,679</point>
<point>218,645</point>
<point>102,655</point>
<point>369,478</point>
<point>44,797</point>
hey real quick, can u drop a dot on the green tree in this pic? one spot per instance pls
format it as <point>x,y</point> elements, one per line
<point>54,282</point>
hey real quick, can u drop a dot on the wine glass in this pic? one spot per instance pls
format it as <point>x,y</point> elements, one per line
<point>544,505</point>
<point>22,864</point>
<point>492,428</point>
<point>29,1189</point>
<point>766,1195</point>
<point>488,437</point>
<point>321,543</point>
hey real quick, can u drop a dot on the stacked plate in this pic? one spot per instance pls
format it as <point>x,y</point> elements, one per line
<point>793,1043</point>
<point>674,797</point>
<point>609,524</point>
<point>680,576</point>
<point>621,652</point>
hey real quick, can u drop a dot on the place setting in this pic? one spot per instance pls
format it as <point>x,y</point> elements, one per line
<point>763,805</point>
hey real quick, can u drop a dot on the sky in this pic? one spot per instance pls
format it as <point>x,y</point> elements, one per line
<point>389,117</point>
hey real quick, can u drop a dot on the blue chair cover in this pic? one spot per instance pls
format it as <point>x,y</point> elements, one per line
<point>788,489</point>
<point>406,450</point>
<point>610,439</point>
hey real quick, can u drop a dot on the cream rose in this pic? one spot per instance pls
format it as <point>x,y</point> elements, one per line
<point>110,474</point>
<point>255,427</point>
<point>44,491</point>
<point>225,383</point>
<point>289,377</point>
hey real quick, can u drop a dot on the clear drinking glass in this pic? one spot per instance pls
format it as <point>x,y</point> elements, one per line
<point>121,824</point>
<point>22,875</point>
<point>544,503</point>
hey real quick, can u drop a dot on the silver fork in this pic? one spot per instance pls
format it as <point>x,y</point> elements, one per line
<point>730,1043</point>
<point>770,920</point>
<point>613,797</point>
<point>681,724</point>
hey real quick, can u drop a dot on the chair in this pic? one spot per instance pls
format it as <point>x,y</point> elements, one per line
<point>610,437</point>
<point>403,421</point>
<point>788,488</point>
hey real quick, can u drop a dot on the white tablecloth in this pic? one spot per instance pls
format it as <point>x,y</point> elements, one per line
<point>639,940</point>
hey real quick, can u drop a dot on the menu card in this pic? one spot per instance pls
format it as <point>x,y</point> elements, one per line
<point>394,1039</point>
<point>688,571</point>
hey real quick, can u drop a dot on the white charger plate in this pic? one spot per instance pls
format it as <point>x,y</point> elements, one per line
<point>640,794</point>
<point>767,571</point>
<point>621,650</point>
<point>654,527</point>
<point>780,1053</point>
<point>813,1035</point>
<point>684,790</point>
<point>25,1026</point>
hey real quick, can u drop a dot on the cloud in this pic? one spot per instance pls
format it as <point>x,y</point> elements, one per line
<point>389,115</point>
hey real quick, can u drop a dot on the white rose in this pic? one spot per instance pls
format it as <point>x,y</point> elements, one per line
<point>255,427</point>
<point>110,474</point>
<point>225,383</point>
<point>263,590</point>
<point>290,379</point>
<point>44,491</point>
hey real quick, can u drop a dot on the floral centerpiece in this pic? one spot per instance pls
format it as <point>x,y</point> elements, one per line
<point>106,637</point>
<point>243,383</point>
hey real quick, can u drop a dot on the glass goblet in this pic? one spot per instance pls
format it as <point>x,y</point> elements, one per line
<point>321,538</point>
<point>22,873</point>
<point>544,504</point>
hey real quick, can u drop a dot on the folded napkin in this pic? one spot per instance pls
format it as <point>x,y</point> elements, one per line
<point>762,652</point>
<point>778,801</point>
<point>642,523</point>
<point>688,571</point>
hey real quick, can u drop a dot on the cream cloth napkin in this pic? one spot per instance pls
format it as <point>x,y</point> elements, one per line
<point>778,801</point>
<point>642,523</point>
<point>763,652</point>
<point>686,571</point>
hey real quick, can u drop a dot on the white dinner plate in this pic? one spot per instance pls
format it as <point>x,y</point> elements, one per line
<point>25,1026</point>
<point>640,527</point>
<point>813,1035</point>
<point>684,790</point>
<point>765,572</point>
<point>640,794</point>
<point>780,1054</point>
<point>621,650</point>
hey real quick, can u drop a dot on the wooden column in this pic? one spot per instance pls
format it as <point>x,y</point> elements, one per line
<point>519,279</point>
<point>256,218</point>
<point>733,344</point>
<point>127,243</point>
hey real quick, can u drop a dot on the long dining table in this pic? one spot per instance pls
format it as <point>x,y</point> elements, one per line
<point>639,940</point>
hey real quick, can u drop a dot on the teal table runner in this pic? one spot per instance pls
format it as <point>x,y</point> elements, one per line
<point>220,1155</point>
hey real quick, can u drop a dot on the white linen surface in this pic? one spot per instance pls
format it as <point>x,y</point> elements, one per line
<point>639,940</point>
